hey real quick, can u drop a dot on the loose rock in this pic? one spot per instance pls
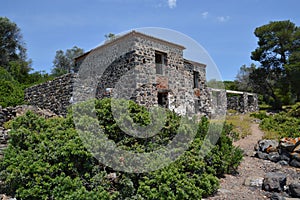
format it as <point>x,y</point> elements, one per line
<point>254,181</point>
<point>294,190</point>
<point>274,182</point>
<point>267,146</point>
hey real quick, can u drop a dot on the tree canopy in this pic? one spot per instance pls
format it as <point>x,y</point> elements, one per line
<point>64,61</point>
<point>278,53</point>
<point>12,47</point>
<point>12,50</point>
<point>243,78</point>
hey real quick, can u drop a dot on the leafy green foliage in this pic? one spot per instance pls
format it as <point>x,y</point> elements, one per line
<point>283,124</point>
<point>230,85</point>
<point>46,159</point>
<point>224,158</point>
<point>12,47</point>
<point>278,52</point>
<point>242,81</point>
<point>294,111</point>
<point>11,93</point>
<point>64,61</point>
<point>259,115</point>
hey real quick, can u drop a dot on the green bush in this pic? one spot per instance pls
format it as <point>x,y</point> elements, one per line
<point>46,159</point>
<point>294,111</point>
<point>282,125</point>
<point>11,92</point>
<point>259,115</point>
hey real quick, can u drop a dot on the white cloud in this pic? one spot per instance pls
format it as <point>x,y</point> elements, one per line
<point>223,18</point>
<point>172,3</point>
<point>204,15</point>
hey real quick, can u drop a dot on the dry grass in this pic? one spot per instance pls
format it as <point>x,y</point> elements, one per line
<point>241,123</point>
<point>271,135</point>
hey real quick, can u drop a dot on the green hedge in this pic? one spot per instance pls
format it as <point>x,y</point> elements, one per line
<point>283,124</point>
<point>46,159</point>
<point>11,92</point>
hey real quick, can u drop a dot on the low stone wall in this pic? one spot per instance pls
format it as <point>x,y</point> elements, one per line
<point>54,95</point>
<point>7,114</point>
<point>243,102</point>
<point>284,152</point>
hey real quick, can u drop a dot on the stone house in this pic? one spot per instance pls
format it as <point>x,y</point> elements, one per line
<point>150,71</point>
<point>140,67</point>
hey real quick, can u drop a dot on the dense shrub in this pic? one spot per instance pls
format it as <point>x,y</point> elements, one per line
<point>11,92</point>
<point>295,110</point>
<point>283,124</point>
<point>260,115</point>
<point>46,159</point>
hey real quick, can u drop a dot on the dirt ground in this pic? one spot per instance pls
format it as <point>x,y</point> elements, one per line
<point>236,187</point>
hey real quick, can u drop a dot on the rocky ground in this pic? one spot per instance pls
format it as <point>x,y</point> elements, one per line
<point>247,184</point>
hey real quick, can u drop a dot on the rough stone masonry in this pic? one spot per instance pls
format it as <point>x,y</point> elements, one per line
<point>139,67</point>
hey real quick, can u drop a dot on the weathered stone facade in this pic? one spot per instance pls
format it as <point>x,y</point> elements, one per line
<point>242,101</point>
<point>134,74</point>
<point>54,95</point>
<point>134,66</point>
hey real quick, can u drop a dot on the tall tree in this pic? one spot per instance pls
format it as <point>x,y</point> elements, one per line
<point>293,66</point>
<point>64,61</point>
<point>276,42</point>
<point>243,78</point>
<point>12,50</point>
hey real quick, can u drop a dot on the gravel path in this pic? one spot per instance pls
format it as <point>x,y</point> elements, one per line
<point>236,187</point>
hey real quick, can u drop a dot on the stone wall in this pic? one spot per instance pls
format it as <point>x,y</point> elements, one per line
<point>218,102</point>
<point>242,101</point>
<point>223,100</point>
<point>126,67</point>
<point>7,114</point>
<point>54,95</point>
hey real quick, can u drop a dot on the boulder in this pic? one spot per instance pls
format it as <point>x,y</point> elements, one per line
<point>274,156</point>
<point>262,155</point>
<point>297,148</point>
<point>288,146</point>
<point>294,190</point>
<point>274,182</point>
<point>295,163</point>
<point>289,143</point>
<point>295,155</point>
<point>267,145</point>
<point>284,155</point>
<point>283,162</point>
<point>254,181</point>
<point>276,196</point>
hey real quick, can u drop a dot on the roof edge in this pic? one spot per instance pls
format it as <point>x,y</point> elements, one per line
<point>194,63</point>
<point>131,34</point>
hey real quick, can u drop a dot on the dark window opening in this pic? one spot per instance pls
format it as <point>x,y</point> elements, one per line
<point>160,61</point>
<point>162,99</point>
<point>197,105</point>
<point>196,79</point>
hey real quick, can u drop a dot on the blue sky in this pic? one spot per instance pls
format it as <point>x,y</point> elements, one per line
<point>223,27</point>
